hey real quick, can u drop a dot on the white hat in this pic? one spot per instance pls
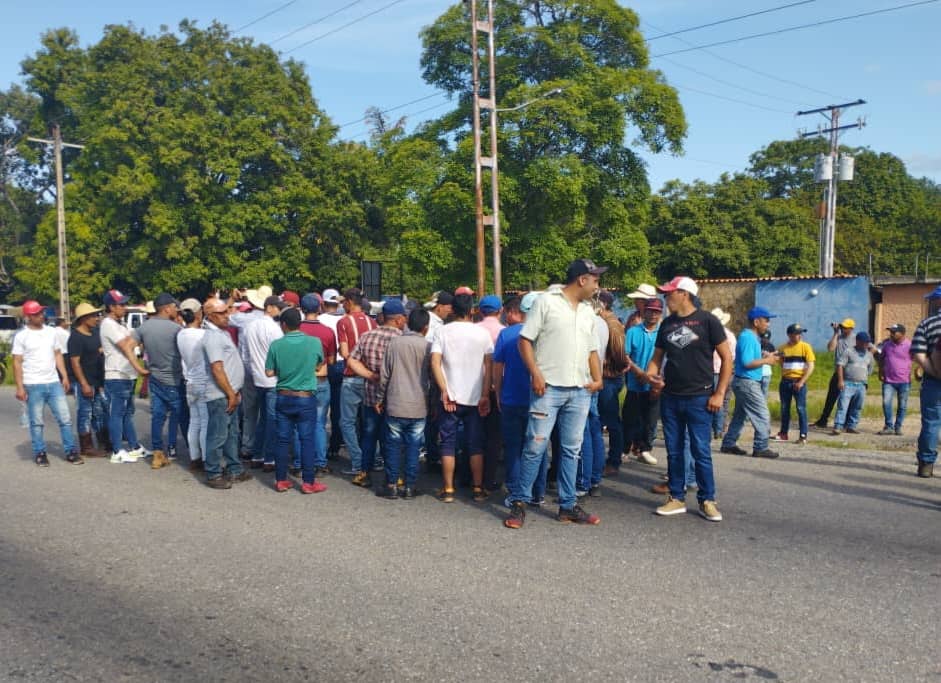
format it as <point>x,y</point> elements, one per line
<point>331,296</point>
<point>256,297</point>
<point>644,291</point>
<point>723,317</point>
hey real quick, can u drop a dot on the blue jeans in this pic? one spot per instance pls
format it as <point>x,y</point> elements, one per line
<point>750,402</point>
<point>53,395</point>
<point>569,406</point>
<point>351,405</point>
<point>930,420</point>
<point>198,427</point>
<point>786,392</point>
<point>610,412</point>
<point>249,411</point>
<point>591,462</point>
<point>164,398</point>
<point>372,431</point>
<point>320,423</point>
<point>300,413</point>
<point>120,393</point>
<point>889,391</point>
<point>403,433</point>
<point>686,418</point>
<point>718,417</point>
<point>222,440</point>
<point>850,405</point>
<point>266,429</point>
<point>91,414</point>
<point>513,426</point>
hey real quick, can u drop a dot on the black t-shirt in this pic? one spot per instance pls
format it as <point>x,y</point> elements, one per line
<point>688,344</point>
<point>87,348</point>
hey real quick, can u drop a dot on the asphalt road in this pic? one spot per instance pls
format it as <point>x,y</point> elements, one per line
<point>827,567</point>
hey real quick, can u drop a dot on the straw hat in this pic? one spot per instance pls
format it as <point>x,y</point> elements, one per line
<point>723,317</point>
<point>84,309</point>
<point>256,297</point>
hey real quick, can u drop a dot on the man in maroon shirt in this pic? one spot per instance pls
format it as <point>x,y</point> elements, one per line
<point>350,328</point>
<point>310,306</point>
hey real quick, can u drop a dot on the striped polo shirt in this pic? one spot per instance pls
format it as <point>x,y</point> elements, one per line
<point>796,358</point>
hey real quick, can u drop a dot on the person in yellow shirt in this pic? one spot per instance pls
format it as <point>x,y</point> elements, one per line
<point>797,365</point>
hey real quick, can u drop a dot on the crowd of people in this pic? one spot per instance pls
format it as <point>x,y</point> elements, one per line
<point>281,383</point>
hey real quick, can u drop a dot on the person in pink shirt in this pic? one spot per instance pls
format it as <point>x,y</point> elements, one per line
<point>490,308</point>
<point>895,371</point>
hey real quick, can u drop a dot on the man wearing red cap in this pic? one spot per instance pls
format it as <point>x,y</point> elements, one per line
<point>37,367</point>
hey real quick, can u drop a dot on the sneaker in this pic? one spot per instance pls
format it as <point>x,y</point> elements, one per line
<point>580,493</point>
<point>766,453</point>
<point>446,495</point>
<point>577,515</point>
<point>708,509</point>
<point>240,477</point>
<point>349,472</point>
<point>123,456</point>
<point>408,492</point>
<point>378,465</point>
<point>852,430</point>
<point>926,470</point>
<point>171,452</point>
<point>389,491</point>
<point>820,424</point>
<point>479,494</point>
<point>802,441</point>
<point>672,507</point>
<point>140,452</point>
<point>75,458</point>
<point>283,485</point>
<point>219,483</point>
<point>41,459</point>
<point>647,458</point>
<point>780,436</point>
<point>362,479</point>
<point>733,450</point>
<point>886,431</point>
<point>517,516</point>
<point>594,492</point>
<point>313,487</point>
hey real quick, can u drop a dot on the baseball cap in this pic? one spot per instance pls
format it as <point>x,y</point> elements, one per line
<point>393,307</point>
<point>848,323</point>
<point>164,299</point>
<point>682,282</point>
<point>464,289</point>
<point>897,327</point>
<point>32,307</point>
<point>490,304</point>
<point>654,305</point>
<point>795,328</point>
<point>863,337</point>
<point>934,294</point>
<point>275,301</point>
<point>760,312</point>
<point>643,291</point>
<point>193,305</point>
<point>526,304</point>
<point>292,298</point>
<point>331,296</point>
<point>113,296</point>
<point>583,266</point>
<point>310,303</point>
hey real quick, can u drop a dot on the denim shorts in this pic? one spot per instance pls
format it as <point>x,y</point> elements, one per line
<point>473,430</point>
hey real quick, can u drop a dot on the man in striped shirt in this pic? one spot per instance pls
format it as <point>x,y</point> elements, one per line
<point>797,365</point>
<point>926,351</point>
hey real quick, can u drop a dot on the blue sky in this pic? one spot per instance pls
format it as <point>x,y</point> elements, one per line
<point>891,60</point>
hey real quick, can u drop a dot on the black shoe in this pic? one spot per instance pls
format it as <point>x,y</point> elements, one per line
<point>378,465</point>
<point>766,453</point>
<point>820,424</point>
<point>577,515</point>
<point>389,492</point>
<point>926,470</point>
<point>408,492</point>
<point>733,450</point>
<point>594,492</point>
<point>75,458</point>
<point>42,459</point>
<point>240,477</point>
<point>219,483</point>
<point>517,516</point>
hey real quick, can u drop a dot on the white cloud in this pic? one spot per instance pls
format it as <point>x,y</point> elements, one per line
<point>932,87</point>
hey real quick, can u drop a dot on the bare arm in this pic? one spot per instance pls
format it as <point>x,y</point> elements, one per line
<point>359,368</point>
<point>127,346</point>
<point>483,405</point>
<point>497,381</point>
<point>831,345</point>
<point>87,390</point>
<point>437,371</point>
<point>60,366</point>
<point>18,377</point>
<point>218,374</point>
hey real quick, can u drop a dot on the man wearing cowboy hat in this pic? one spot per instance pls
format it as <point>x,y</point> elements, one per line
<point>255,298</point>
<point>88,368</point>
<point>640,297</point>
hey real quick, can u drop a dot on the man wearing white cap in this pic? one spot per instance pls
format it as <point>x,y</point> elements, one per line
<point>685,342</point>
<point>331,316</point>
<point>248,408</point>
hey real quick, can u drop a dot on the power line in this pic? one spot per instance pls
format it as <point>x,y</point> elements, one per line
<point>796,28</point>
<point>265,16</point>
<point>346,25</point>
<point>730,19</point>
<point>730,84</point>
<point>731,99</point>
<point>398,106</point>
<point>407,115</point>
<point>315,21</point>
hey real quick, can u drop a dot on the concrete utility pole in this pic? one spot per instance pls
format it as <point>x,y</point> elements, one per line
<point>831,175</point>
<point>57,145</point>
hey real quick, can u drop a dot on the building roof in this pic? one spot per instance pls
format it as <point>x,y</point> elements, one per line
<point>775,278</point>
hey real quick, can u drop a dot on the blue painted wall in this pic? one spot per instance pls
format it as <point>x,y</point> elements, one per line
<point>793,302</point>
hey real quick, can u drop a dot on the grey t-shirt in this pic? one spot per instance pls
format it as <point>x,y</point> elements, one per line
<point>218,346</point>
<point>158,335</point>
<point>856,366</point>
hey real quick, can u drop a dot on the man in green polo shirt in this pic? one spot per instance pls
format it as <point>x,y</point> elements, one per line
<point>294,359</point>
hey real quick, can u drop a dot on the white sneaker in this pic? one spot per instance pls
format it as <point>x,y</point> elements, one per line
<point>123,456</point>
<point>647,458</point>
<point>140,452</point>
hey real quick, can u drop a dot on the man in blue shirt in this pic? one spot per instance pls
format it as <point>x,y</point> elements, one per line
<point>749,398</point>
<point>639,415</point>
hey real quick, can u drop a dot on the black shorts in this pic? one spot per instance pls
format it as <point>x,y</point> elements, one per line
<point>473,430</point>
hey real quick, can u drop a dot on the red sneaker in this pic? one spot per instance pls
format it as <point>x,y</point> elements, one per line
<point>316,487</point>
<point>283,485</point>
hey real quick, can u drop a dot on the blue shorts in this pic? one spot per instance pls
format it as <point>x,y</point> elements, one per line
<point>473,430</point>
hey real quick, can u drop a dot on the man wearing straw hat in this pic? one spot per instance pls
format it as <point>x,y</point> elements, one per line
<point>88,368</point>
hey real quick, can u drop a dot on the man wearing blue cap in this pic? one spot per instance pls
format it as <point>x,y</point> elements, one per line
<point>853,368</point>
<point>490,307</point>
<point>926,351</point>
<point>749,398</point>
<point>366,361</point>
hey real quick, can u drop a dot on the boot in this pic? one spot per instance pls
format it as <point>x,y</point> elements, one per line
<point>87,448</point>
<point>160,460</point>
<point>104,441</point>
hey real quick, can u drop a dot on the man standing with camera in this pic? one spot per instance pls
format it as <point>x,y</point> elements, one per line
<point>839,344</point>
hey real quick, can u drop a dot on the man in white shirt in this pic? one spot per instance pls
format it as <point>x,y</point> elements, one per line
<point>258,337</point>
<point>330,317</point>
<point>36,360</point>
<point>461,355</point>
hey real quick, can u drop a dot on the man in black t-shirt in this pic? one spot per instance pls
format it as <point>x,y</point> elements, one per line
<point>87,365</point>
<point>681,368</point>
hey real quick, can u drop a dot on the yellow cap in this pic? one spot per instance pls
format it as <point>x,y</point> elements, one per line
<point>848,324</point>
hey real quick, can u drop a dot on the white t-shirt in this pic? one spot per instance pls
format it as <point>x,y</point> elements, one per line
<point>190,342</point>
<point>62,339</point>
<point>331,320</point>
<point>258,337</point>
<point>117,366</point>
<point>38,349</point>
<point>462,346</point>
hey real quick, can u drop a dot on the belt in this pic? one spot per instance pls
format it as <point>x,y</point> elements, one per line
<point>289,392</point>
